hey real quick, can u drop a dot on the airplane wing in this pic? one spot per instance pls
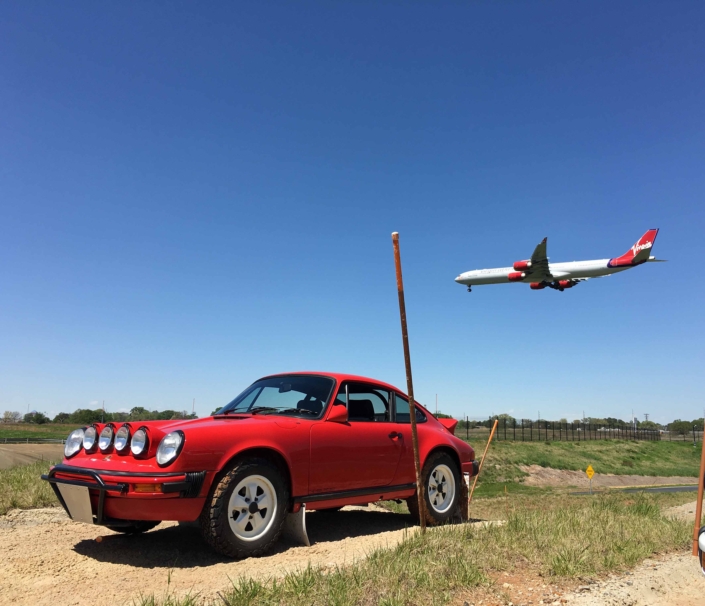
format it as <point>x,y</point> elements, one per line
<point>539,264</point>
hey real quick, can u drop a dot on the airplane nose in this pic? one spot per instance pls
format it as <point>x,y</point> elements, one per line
<point>459,278</point>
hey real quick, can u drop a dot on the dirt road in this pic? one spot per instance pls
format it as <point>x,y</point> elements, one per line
<point>50,560</point>
<point>545,476</point>
<point>22,454</point>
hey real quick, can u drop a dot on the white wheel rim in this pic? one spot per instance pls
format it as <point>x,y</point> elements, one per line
<point>441,488</point>
<point>252,508</point>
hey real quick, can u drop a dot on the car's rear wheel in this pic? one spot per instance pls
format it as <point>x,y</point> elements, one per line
<point>441,482</point>
<point>245,514</point>
<point>136,527</point>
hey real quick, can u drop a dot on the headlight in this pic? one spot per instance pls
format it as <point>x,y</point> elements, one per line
<point>106,438</point>
<point>139,442</point>
<point>170,447</point>
<point>122,438</point>
<point>73,442</point>
<point>89,437</point>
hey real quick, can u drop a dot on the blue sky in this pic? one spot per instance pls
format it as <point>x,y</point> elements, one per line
<point>195,195</point>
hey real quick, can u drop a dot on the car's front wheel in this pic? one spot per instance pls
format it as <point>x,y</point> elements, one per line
<point>245,514</point>
<point>441,482</point>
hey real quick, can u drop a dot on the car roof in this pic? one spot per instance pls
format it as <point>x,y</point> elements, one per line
<point>339,377</point>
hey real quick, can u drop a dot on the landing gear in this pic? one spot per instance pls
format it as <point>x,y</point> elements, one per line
<point>469,288</point>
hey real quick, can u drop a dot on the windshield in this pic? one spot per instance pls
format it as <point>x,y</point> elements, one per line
<point>302,395</point>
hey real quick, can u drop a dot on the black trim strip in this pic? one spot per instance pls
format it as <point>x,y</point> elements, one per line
<point>360,492</point>
<point>109,472</point>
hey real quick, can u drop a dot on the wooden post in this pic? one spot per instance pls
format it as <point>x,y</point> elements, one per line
<point>409,383</point>
<point>487,446</point>
<point>699,502</point>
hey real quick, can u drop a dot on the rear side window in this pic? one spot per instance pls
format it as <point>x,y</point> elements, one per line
<point>402,410</point>
<point>367,403</point>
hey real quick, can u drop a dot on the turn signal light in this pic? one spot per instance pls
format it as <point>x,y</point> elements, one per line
<point>148,488</point>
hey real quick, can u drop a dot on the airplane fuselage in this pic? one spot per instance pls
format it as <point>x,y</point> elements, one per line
<point>560,271</point>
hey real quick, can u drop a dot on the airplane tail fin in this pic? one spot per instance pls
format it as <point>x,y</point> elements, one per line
<point>637,254</point>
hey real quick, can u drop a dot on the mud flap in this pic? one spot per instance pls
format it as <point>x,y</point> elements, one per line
<point>295,526</point>
<point>462,514</point>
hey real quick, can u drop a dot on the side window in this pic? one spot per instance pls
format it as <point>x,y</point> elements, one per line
<point>402,410</point>
<point>366,403</point>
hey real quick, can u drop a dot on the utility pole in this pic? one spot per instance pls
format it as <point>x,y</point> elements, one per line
<point>646,416</point>
<point>193,408</point>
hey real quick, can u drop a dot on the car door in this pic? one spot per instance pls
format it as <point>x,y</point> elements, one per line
<point>406,473</point>
<point>361,453</point>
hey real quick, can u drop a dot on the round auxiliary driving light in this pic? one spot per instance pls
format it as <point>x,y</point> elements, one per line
<point>170,447</point>
<point>89,438</point>
<point>73,442</point>
<point>138,445</point>
<point>122,438</point>
<point>106,438</point>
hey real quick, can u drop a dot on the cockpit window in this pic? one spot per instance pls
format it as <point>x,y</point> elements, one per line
<point>294,395</point>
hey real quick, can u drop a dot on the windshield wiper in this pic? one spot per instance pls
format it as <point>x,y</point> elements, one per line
<point>303,410</point>
<point>256,409</point>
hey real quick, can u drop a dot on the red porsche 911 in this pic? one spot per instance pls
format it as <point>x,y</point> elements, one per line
<point>288,443</point>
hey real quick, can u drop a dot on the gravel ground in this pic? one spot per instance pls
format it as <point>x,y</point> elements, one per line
<point>670,581</point>
<point>50,560</point>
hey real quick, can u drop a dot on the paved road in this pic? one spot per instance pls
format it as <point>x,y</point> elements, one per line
<point>652,489</point>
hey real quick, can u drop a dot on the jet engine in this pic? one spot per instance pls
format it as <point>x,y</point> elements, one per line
<point>537,285</point>
<point>566,283</point>
<point>519,265</point>
<point>516,276</point>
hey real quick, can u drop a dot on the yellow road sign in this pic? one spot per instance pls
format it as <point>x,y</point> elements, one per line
<point>590,472</point>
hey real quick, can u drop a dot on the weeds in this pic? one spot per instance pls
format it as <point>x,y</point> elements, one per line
<point>581,538</point>
<point>22,487</point>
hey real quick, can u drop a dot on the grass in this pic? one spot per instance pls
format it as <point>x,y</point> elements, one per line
<point>53,431</point>
<point>578,538</point>
<point>610,456</point>
<point>21,487</point>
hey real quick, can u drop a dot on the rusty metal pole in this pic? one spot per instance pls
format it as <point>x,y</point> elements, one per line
<point>409,383</point>
<point>699,502</point>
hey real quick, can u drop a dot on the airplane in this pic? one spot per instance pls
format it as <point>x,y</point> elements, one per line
<point>539,273</point>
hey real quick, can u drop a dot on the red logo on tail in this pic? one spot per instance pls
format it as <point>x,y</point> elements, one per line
<point>639,253</point>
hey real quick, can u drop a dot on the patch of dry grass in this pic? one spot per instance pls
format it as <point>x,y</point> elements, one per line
<point>21,487</point>
<point>581,538</point>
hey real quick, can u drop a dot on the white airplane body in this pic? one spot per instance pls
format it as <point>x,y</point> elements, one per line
<point>539,273</point>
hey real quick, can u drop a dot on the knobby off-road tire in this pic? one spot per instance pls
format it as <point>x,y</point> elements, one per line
<point>230,522</point>
<point>441,480</point>
<point>136,527</point>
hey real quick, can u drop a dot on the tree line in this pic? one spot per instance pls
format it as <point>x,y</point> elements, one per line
<point>677,426</point>
<point>86,416</point>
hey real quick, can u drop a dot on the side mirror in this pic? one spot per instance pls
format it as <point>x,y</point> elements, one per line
<point>338,414</point>
<point>701,548</point>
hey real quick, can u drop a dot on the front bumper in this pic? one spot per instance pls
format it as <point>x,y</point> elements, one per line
<point>113,501</point>
<point>471,468</point>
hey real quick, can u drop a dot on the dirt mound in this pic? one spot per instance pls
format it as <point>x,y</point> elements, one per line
<point>684,512</point>
<point>545,476</point>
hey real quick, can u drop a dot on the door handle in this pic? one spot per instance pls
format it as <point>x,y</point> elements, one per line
<point>394,435</point>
